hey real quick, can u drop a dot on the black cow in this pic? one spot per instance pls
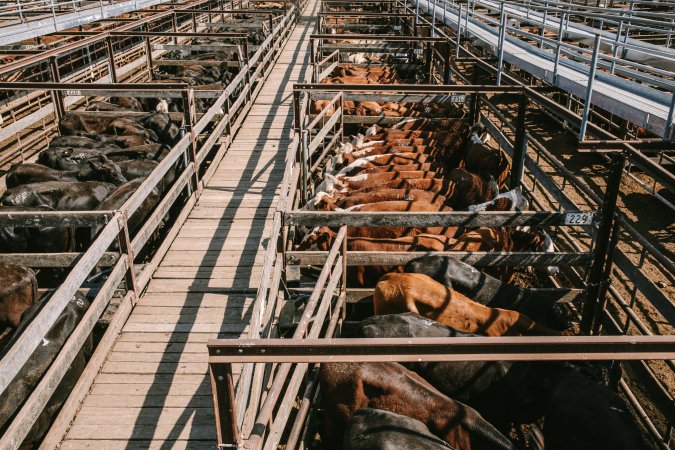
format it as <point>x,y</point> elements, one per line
<point>38,363</point>
<point>60,195</point>
<point>487,290</point>
<point>374,429</point>
<point>570,396</point>
<point>148,151</point>
<point>162,126</point>
<point>76,142</point>
<point>33,239</point>
<point>73,158</point>
<point>119,196</point>
<point>465,381</point>
<point>580,414</point>
<point>100,169</point>
<point>348,387</point>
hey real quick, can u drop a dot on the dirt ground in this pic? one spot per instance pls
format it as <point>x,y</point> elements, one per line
<point>646,214</point>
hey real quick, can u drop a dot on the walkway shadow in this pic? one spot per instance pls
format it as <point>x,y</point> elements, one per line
<point>199,436</point>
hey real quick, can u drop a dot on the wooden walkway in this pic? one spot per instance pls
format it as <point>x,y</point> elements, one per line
<point>153,391</point>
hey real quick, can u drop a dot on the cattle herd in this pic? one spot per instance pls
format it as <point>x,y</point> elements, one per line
<point>101,156</point>
<point>441,165</point>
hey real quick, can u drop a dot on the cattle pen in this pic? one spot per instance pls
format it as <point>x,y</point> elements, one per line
<point>207,315</point>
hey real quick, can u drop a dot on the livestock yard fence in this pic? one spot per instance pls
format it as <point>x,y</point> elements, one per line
<point>203,140</point>
<point>257,415</point>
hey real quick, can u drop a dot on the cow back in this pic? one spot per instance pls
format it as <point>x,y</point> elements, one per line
<point>374,429</point>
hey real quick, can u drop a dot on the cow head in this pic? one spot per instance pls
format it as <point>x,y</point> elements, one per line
<point>537,241</point>
<point>333,163</point>
<point>329,184</point>
<point>512,200</point>
<point>162,106</point>
<point>102,169</point>
<point>322,201</point>
<point>320,238</point>
<point>371,130</point>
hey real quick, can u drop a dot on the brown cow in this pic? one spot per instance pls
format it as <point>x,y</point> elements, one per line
<point>348,387</point>
<point>487,161</point>
<point>18,291</point>
<point>398,293</point>
<point>369,275</point>
<point>376,161</point>
<point>366,180</point>
<point>402,168</point>
<point>324,202</point>
<point>470,189</point>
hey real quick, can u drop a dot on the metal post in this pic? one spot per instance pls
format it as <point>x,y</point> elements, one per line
<point>589,88</point>
<point>466,18</point>
<point>57,98</point>
<point>148,51</point>
<point>602,242</point>
<point>459,31</point>
<point>557,51</point>
<point>669,122</point>
<point>474,111</point>
<point>670,33</point>
<point>312,58</point>
<point>502,36</point>
<point>111,60</point>
<point>429,60</point>
<point>417,14</point>
<point>304,158</point>
<point>543,24</point>
<point>222,388</point>
<point>445,10</point>
<point>606,277</point>
<point>433,21</point>
<point>520,146</point>
<point>447,75</point>
<point>615,50</point>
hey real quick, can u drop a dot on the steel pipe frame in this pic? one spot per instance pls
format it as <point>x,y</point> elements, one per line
<point>156,15</point>
<point>539,348</point>
<point>604,13</point>
<point>629,230</point>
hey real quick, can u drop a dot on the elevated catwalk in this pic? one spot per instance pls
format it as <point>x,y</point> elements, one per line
<point>153,390</point>
<point>644,107</point>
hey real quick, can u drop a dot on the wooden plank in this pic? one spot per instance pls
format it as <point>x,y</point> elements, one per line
<point>203,285</point>
<point>193,300</point>
<point>150,444</point>
<point>206,272</point>
<point>153,368</point>
<point>186,328</point>
<point>210,258</point>
<point>211,316</point>
<point>160,380</point>
<point>222,244</point>
<point>161,347</point>
<point>194,336</point>
<point>159,358</point>
<point>125,431</point>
